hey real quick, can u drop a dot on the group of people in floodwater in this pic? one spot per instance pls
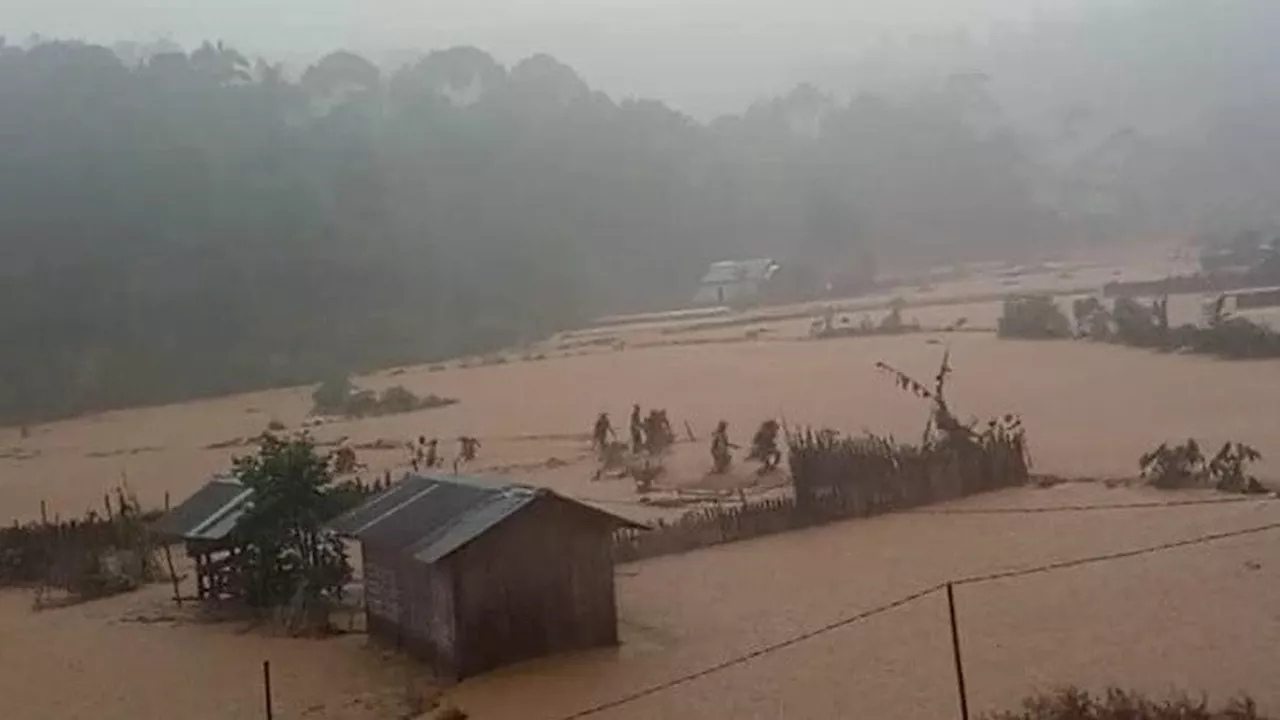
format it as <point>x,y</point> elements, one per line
<point>425,454</point>
<point>653,435</point>
<point>650,433</point>
<point>764,448</point>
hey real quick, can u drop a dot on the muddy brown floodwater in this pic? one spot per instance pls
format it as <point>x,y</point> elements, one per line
<point>1200,618</point>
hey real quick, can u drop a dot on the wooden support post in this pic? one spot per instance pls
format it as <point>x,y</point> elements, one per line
<point>173,575</point>
<point>955,647</point>
<point>200,576</point>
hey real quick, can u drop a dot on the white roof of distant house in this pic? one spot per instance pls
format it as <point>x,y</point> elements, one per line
<point>732,271</point>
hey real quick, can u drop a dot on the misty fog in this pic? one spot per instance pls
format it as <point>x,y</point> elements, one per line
<point>703,57</point>
<point>326,188</point>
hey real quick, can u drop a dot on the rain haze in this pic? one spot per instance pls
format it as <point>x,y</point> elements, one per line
<point>543,359</point>
<point>702,56</point>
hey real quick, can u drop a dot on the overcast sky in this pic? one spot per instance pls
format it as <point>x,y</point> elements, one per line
<point>701,55</point>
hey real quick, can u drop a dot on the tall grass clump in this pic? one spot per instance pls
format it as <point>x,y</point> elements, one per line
<point>953,458</point>
<point>93,556</point>
<point>1114,704</point>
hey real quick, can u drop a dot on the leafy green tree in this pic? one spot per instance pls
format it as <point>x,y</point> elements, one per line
<point>288,554</point>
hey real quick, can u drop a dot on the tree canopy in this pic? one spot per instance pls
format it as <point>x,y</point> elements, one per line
<point>176,224</point>
<point>286,548</point>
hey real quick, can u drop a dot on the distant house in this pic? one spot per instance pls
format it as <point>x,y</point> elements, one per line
<point>732,282</point>
<point>204,523</point>
<point>469,575</point>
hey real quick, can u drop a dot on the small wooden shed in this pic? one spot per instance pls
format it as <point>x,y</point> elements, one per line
<point>204,523</point>
<point>470,575</point>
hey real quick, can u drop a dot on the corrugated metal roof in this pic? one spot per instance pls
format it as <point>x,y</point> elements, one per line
<point>351,522</point>
<point>430,517</point>
<point>220,525</point>
<point>208,503</point>
<point>470,525</point>
<point>415,507</point>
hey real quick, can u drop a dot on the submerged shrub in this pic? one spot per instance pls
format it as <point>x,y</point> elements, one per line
<point>1034,317</point>
<point>1173,467</point>
<point>1093,321</point>
<point>341,397</point>
<point>1076,704</point>
<point>1229,469</point>
<point>1183,466</point>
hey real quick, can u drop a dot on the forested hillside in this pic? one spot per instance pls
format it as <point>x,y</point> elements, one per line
<point>179,224</point>
<point>1155,118</point>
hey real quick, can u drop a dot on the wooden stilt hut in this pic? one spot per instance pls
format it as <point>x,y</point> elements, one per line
<point>203,523</point>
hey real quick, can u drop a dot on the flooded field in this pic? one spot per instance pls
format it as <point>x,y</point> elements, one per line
<point>1090,410</point>
<point>1143,622</point>
<point>1202,617</point>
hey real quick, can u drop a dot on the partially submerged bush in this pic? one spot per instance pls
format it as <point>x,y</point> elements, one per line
<point>1173,467</point>
<point>1034,317</point>
<point>362,403</point>
<point>1142,325</point>
<point>398,399</point>
<point>341,397</point>
<point>331,396</point>
<point>892,322</point>
<point>1184,466</point>
<point>1229,469</point>
<point>1236,338</point>
<point>1093,321</point>
<point>1131,322</point>
<point>1076,704</point>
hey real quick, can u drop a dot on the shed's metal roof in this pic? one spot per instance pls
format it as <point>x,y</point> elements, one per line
<point>205,514</point>
<point>430,517</point>
<point>417,506</point>
<point>223,522</point>
<point>374,508</point>
<point>471,525</point>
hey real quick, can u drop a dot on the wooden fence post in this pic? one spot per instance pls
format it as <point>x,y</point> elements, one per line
<point>955,648</point>
<point>266,687</point>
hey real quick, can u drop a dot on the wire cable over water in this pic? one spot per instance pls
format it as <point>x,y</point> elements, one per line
<point>1081,508</point>
<point>906,600</point>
